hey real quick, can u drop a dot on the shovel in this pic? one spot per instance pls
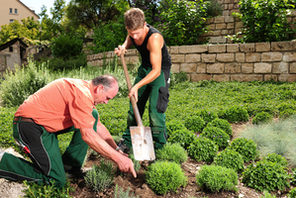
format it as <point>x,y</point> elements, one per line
<point>143,147</point>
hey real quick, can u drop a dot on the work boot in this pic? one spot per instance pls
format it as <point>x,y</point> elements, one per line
<point>123,147</point>
<point>73,172</point>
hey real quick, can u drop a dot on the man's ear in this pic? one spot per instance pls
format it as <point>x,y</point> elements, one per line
<point>98,88</point>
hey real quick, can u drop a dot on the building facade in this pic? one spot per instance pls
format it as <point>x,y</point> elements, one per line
<point>11,10</point>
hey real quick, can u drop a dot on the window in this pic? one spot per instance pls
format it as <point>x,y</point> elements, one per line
<point>10,10</point>
<point>10,49</point>
<point>15,11</point>
<point>11,20</point>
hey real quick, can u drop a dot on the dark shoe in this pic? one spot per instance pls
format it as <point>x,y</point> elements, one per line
<point>123,147</point>
<point>73,172</point>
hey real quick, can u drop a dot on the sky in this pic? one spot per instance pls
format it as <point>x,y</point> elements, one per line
<point>37,4</point>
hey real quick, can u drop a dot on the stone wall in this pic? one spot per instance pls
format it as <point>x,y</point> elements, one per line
<point>225,62</point>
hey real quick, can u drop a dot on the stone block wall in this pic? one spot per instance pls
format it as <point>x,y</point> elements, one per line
<point>225,62</point>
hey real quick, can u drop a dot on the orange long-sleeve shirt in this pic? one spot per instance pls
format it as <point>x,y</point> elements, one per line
<point>61,104</point>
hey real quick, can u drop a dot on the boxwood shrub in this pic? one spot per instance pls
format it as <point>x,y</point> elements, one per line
<point>217,178</point>
<point>266,175</point>
<point>174,125</point>
<point>222,124</point>
<point>183,137</point>
<point>230,159</point>
<point>292,193</point>
<point>207,115</point>
<point>273,157</point>
<point>247,148</point>
<point>217,135</point>
<point>195,123</point>
<point>164,176</point>
<point>235,114</point>
<point>203,149</point>
<point>262,117</point>
<point>172,152</point>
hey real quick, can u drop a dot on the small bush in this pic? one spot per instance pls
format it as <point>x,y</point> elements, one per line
<point>292,193</point>
<point>174,125</point>
<point>66,46</point>
<point>262,117</point>
<point>235,114</point>
<point>172,152</point>
<point>266,175</point>
<point>287,113</point>
<point>183,137</point>
<point>203,149</point>
<point>222,124</point>
<point>195,123</point>
<point>217,135</point>
<point>216,178</point>
<point>207,115</point>
<point>72,63</point>
<point>247,148</point>
<point>100,177</point>
<point>121,193</point>
<point>164,176</point>
<point>230,159</point>
<point>177,78</point>
<point>273,157</point>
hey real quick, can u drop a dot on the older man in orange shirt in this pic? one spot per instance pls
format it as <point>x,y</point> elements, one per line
<point>61,106</point>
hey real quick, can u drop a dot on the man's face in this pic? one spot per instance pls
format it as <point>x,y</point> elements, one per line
<point>137,34</point>
<point>103,95</point>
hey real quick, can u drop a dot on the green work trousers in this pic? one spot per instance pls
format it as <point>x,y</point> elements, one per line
<point>43,149</point>
<point>158,94</point>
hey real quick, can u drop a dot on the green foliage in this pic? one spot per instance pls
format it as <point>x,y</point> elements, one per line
<point>235,114</point>
<point>72,63</point>
<point>272,157</point>
<point>266,175</point>
<point>213,8</point>
<point>61,45</point>
<point>177,78</point>
<point>34,190</point>
<point>247,148</point>
<point>108,36</point>
<point>292,193</point>
<point>174,125</point>
<point>217,135</point>
<point>222,124</point>
<point>265,20</point>
<point>121,193</point>
<point>276,137</point>
<point>262,117</point>
<point>182,22</point>
<point>194,123</point>
<point>100,177</point>
<point>230,159</point>
<point>22,83</point>
<point>183,137</point>
<point>287,113</point>
<point>293,177</point>
<point>6,118</point>
<point>164,176</point>
<point>172,152</point>
<point>217,178</point>
<point>207,115</point>
<point>267,195</point>
<point>203,149</point>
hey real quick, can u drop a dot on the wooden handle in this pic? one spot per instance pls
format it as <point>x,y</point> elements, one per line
<point>129,86</point>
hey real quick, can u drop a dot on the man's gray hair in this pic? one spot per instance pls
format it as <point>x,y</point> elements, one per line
<point>106,80</point>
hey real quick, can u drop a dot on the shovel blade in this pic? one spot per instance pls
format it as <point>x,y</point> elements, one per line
<point>143,147</point>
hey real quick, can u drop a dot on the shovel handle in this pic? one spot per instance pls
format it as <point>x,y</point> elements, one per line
<point>129,86</point>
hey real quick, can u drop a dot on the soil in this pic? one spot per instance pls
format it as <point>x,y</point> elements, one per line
<point>138,186</point>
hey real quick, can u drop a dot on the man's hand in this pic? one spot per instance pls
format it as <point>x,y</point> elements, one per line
<point>120,50</point>
<point>134,93</point>
<point>125,164</point>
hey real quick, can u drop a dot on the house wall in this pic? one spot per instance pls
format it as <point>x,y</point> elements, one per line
<point>10,58</point>
<point>225,62</point>
<point>22,11</point>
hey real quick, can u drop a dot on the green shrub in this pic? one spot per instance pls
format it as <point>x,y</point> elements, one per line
<point>203,149</point>
<point>100,177</point>
<point>172,152</point>
<point>292,193</point>
<point>266,175</point>
<point>207,115</point>
<point>66,46</point>
<point>72,63</point>
<point>194,123</point>
<point>6,118</point>
<point>293,177</point>
<point>183,137</point>
<point>174,125</point>
<point>235,114</point>
<point>273,157</point>
<point>177,78</point>
<point>19,85</point>
<point>213,8</point>
<point>265,20</point>
<point>217,178</point>
<point>230,159</point>
<point>182,22</point>
<point>121,193</point>
<point>217,135</point>
<point>222,124</point>
<point>164,176</point>
<point>287,113</point>
<point>247,148</point>
<point>262,117</point>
